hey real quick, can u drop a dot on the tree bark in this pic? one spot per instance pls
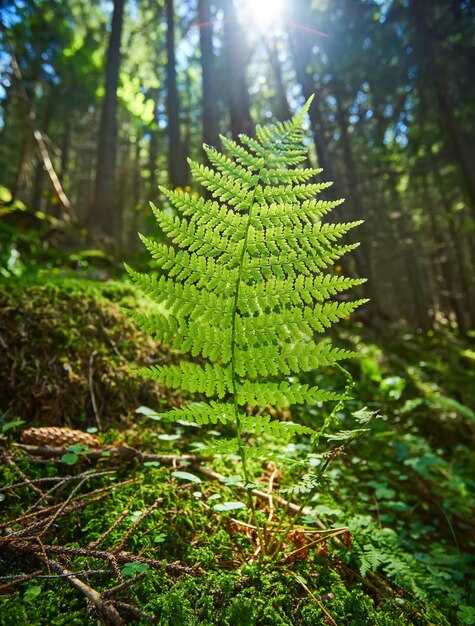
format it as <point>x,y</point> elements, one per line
<point>301,49</point>
<point>208,74</point>
<point>427,58</point>
<point>238,95</point>
<point>102,215</point>
<point>282,101</point>
<point>177,166</point>
<point>35,202</point>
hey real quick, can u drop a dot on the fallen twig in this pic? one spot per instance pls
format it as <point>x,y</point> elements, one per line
<point>26,480</point>
<point>105,534</point>
<point>26,545</point>
<point>137,613</point>
<point>91,390</point>
<point>113,590</point>
<point>77,500</point>
<point>107,610</point>
<point>122,452</point>
<point>314,597</point>
<point>51,479</point>
<point>15,580</point>
<point>134,526</point>
<point>262,495</point>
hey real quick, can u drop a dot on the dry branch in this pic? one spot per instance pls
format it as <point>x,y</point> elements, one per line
<point>30,546</point>
<point>121,452</point>
<point>105,608</point>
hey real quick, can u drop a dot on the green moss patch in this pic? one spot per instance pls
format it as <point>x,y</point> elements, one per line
<point>65,345</point>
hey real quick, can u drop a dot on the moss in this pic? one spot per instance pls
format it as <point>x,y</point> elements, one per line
<point>51,328</point>
<point>61,336</point>
<point>246,595</point>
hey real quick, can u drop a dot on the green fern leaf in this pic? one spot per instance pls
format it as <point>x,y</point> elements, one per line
<point>245,285</point>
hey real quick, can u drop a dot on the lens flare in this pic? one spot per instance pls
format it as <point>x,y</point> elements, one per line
<point>260,15</point>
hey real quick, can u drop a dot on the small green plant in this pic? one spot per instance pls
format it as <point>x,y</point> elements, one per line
<point>134,568</point>
<point>74,452</point>
<point>5,427</point>
<point>244,290</point>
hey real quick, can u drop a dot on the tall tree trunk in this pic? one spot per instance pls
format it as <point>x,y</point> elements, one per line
<point>427,59</point>
<point>282,101</point>
<point>23,163</point>
<point>444,260</point>
<point>355,210</point>
<point>102,216</point>
<point>460,277</point>
<point>152,178</point>
<point>36,194</point>
<point>422,317</point>
<point>177,166</point>
<point>208,74</point>
<point>238,95</point>
<point>301,48</point>
<point>65,147</point>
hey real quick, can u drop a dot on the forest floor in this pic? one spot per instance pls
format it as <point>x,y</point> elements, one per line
<point>127,523</point>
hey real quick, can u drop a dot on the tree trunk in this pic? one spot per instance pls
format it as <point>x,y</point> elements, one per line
<point>208,74</point>
<point>301,49</point>
<point>421,314</point>
<point>177,166</point>
<point>65,146</point>
<point>282,101</point>
<point>37,191</point>
<point>427,58</point>
<point>234,51</point>
<point>102,216</point>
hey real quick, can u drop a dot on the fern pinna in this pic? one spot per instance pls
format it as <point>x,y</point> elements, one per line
<point>244,288</point>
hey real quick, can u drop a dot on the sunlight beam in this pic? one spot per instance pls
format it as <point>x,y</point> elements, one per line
<point>260,16</point>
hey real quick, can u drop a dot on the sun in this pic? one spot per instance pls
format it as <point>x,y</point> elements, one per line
<point>262,16</point>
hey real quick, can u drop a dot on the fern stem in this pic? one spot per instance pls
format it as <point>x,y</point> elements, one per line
<point>241,447</point>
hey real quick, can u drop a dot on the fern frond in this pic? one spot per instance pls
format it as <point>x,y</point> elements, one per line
<point>290,214</point>
<point>202,414</point>
<point>265,425</point>
<point>243,156</point>
<point>285,264</point>
<point>277,294</point>
<point>212,380</point>
<point>234,192</point>
<point>191,267</point>
<point>209,213</point>
<point>245,286</point>
<point>282,394</point>
<point>302,355</point>
<point>195,338</point>
<point>200,238</point>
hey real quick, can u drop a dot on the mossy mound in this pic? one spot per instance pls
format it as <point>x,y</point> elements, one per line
<point>223,585</point>
<point>66,349</point>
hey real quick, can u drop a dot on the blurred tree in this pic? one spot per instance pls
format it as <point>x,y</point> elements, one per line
<point>236,60</point>
<point>177,166</point>
<point>397,135</point>
<point>208,71</point>
<point>102,217</point>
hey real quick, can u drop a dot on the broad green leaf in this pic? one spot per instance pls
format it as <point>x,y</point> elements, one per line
<point>187,476</point>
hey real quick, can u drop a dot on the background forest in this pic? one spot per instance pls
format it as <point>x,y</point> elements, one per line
<point>115,96</point>
<point>107,510</point>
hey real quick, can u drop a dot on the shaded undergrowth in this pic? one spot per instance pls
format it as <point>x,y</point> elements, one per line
<point>404,490</point>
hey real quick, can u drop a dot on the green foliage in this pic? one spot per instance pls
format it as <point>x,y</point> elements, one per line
<point>244,289</point>
<point>74,452</point>
<point>386,488</point>
<point>134,568</point>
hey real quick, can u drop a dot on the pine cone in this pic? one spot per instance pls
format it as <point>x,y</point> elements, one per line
<point>58,437</point>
